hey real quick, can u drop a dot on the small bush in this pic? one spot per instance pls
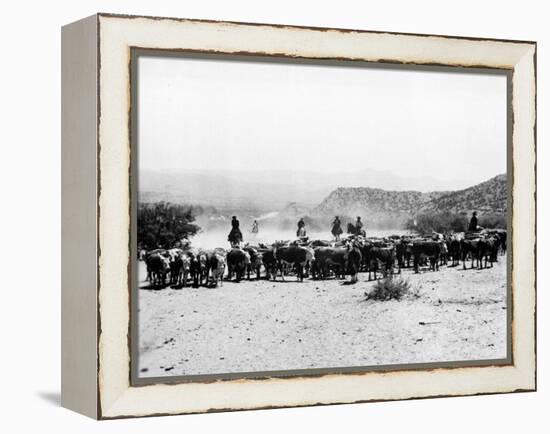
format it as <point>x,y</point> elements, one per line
<point>390,288</point>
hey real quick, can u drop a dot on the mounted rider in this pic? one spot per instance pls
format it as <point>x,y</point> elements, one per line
<point>301,231</point>
<point>336,228</point>
<point>235,237</point>
<point>472,227</point>
<point>359,227</point>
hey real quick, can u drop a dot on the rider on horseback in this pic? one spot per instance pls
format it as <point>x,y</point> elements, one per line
<point>359,227</point>
<point>235,236</point>
<point>301,232</point>
<point>336,228</point>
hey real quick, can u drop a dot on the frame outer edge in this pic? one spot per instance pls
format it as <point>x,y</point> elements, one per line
<point>79,390</point>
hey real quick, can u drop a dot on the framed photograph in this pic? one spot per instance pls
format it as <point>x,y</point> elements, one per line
<point>262,216</point>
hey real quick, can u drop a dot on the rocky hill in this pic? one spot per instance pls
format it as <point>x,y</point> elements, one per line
<point>488,197</point>
<point>374,203</point>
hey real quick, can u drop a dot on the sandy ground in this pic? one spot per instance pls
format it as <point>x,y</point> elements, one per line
<point>264,326</point>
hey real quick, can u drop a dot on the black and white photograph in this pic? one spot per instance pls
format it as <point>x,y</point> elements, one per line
<point>296,215</point>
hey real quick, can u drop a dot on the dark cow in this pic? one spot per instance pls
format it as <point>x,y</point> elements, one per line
<point>453,246</point>
<point>380,255</point>
<point>488,248</point>
<point>406,249</point>
<point>401,252</point>
<point>470,247</point>
<point>162,252</point>
<point>354,261</point>
<point>329,259</point>
<point>255,261</point>
<point>269,262</point>
<point>426,249</point>
<point>237,263</point>
<point>176,265</point>
<point>158,266</point>
<point>501,234</point>
<point>297,256</point>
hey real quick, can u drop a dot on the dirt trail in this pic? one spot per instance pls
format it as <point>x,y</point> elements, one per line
<point>262,326</point>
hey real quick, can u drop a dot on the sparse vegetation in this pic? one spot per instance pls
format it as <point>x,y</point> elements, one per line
<point>438,222</point>
<point>492,221</point>
<point>450,222</point>
<point>390,288</point>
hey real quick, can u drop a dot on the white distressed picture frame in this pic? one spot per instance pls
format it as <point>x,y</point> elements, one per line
<point>96,215</point>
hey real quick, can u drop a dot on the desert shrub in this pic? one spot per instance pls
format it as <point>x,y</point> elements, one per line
<point>438,222</point>
<point>162,224</point>
<point>390,288</point>
<point>492,221</point>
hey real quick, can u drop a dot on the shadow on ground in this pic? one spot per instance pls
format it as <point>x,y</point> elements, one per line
<point>52,398</point>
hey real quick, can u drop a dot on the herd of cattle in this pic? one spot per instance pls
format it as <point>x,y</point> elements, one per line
<point>322,259</point>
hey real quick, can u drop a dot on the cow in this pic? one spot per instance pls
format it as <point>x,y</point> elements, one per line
<point>330,259</point>
<point>469,246</point>
<point>453,246</point>
<point>184,270</point>
<point>444,257</point>
<point>428,249</point>
<point>354,260</point>
<point>297,256</point>
<point>142,254</point>
<point>488,248</point>
<point>194,266</point>
<point>204,266</point>
<point>255,261</point>
<point>401,252</point>
<point>268,261</point>
<point>217,265</point>
<point>162,252</point>
<point>176,264</point>
<point>158,266</point>
<point>384,255</point>
<point>180,263</point>
<point>501,234</point>
<point>237,263</point>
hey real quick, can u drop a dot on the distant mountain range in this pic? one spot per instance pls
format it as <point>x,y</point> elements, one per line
<point>374,203</point>
<point>271,190</point>
<point>278,196</point>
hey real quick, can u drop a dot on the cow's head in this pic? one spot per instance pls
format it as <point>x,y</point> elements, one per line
<point>186,263</point>
<point>259,259</point>
<point>220,262</point>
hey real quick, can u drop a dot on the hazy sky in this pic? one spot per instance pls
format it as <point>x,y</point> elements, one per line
<point>212,114</point>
